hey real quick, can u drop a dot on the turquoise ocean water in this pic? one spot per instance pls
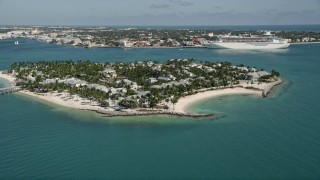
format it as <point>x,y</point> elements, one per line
<point>276,137</point>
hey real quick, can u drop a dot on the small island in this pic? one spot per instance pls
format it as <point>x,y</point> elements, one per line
<point>137,88</point>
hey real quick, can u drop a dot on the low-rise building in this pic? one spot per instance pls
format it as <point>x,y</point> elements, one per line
<point>49,81</point>
<point>151,80</point>
<point>208,69</point>
<point>263,73</point>
<point>109,72</point>
<point>74,82</point>
<point>156,67</point>
<point>255,76</point>
<point>164,78</point>
<point>190,74</point>
<point>131,84</point>
<point>243,68</point>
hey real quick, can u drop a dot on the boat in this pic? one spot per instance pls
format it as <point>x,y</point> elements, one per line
<point>265,41</point>
<point>16,43</point>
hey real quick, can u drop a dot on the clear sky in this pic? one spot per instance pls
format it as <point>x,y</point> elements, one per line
<point>159,12</point>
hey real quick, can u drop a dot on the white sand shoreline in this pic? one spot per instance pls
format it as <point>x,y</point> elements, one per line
<point>258,89</point>
<point>185,102</point>
<point>8,78</point>
<point>63,99</point>
<point>76,102</point>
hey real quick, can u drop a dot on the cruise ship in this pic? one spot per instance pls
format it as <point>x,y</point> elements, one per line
<point>266,41</point>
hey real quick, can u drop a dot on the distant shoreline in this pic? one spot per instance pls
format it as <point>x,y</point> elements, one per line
<point>163,47</point>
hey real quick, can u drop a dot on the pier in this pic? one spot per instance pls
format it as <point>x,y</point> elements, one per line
<point>8,90</point>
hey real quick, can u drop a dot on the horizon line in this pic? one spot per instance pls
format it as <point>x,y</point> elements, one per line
<point>160,25</point>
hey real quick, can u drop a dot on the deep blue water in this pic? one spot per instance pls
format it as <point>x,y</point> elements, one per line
<point>276,137</point>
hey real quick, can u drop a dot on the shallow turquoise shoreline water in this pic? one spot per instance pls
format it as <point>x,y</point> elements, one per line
<point>256,138</point>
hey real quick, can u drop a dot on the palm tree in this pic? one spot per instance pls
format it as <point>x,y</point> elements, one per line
<point>174,100</point>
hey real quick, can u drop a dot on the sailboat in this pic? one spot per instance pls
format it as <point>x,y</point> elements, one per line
<point>16,43</point>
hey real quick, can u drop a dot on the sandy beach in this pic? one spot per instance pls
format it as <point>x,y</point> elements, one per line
<point>187,101</point>
<point>7,77</point>
<point>64,98</point>
<point>259,89</point>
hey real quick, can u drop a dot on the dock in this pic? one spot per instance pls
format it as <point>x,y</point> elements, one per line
<point>10,89</point>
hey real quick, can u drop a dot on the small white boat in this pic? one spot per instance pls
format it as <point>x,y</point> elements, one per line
<point>16,43</point>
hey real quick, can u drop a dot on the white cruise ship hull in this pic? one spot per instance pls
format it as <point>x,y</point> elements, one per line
<point>247,45</point>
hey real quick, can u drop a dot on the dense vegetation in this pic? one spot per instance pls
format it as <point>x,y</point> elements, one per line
<point>136,84</point>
